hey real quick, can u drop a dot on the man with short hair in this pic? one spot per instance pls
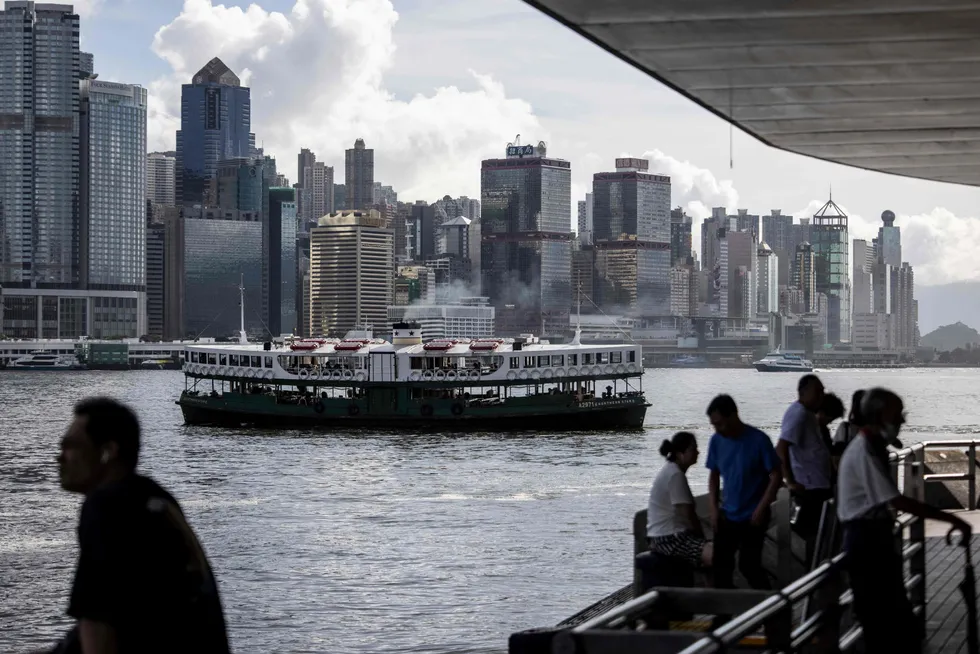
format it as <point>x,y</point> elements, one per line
<point>743,458</point>
<point>806,463</point>
<point>866,496</point>
<point>143,583</point>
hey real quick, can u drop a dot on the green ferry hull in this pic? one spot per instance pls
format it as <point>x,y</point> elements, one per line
<point>547,413</point>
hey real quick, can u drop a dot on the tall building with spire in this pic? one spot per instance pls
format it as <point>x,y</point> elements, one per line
<point>215,119</point>
<point>828,234</point>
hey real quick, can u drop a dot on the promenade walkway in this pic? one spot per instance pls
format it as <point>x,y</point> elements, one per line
<point>945,609</point>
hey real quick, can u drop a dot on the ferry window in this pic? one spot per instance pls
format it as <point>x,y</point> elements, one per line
<point>233,359</point>
<point>223,359</point>
<point>528,362</point>
<point>268,362</point>
<point>615,357</point>
<point>256,362</point>
<point>587,358</point>
<point>601,357</point>
<point>573,359</point>
<point>544,362</point>
<point>557,360</point>
<point>212,359</point>
<point>515,362</point>
<point>193,358</point>
<point>632,356</point>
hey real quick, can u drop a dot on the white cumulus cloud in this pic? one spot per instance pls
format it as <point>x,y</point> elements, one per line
<point>317,79</point>
<point>695,189</point>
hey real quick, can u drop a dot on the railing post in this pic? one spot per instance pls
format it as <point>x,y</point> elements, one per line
<point>972,468</point>
<point>782,511</point>
<point>915,488</point>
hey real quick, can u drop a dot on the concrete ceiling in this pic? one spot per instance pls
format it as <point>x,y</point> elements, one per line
<point>886,85</point>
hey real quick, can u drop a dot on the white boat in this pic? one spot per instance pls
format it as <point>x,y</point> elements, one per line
<point>41,360</point>
<point>778,361</point>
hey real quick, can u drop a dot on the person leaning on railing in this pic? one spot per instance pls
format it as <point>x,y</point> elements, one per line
<point>867,494</point>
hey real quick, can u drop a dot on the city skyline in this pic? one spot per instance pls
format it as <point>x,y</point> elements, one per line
<point>408,96</point>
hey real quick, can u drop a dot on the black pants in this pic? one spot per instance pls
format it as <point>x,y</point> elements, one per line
<point>807,524</point>
<point>745,539</point>
<point>881,604</point>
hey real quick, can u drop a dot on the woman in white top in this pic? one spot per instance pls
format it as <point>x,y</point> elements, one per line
<point>673,526</point>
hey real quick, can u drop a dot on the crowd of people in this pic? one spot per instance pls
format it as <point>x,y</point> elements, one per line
<point>746,470</point>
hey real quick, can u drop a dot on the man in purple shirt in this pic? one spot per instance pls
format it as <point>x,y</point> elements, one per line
<point>806,463</point>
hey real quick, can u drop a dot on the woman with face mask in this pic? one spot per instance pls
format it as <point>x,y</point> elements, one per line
<point>673,526</point>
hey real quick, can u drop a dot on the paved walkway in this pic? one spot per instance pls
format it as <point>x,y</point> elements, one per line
<point>946,611</point>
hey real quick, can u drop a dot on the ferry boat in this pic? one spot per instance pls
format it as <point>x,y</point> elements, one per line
<point>360,380</point>
<point>778,361</point>
<point>41,360</point>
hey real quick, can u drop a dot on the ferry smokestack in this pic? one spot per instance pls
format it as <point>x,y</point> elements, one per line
<point>404,334</point>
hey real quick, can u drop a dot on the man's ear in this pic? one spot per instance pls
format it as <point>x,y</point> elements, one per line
<point>110,452</point>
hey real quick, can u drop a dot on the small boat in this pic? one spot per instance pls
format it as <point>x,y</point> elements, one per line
<point>779,361</point>
<point>41,360</point>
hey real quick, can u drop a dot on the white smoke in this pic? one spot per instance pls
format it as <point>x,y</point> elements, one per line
<point>317,79</point>
<point>695,189</point>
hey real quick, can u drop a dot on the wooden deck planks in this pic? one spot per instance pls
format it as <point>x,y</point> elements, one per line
<point>946,611</point>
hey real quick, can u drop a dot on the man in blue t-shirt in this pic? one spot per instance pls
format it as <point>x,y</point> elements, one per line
<point>745,459</point>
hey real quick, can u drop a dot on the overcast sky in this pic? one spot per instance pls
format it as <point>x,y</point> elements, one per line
<point>434,86</point>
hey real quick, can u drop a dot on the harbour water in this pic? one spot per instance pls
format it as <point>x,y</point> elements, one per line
<point>382,542</point>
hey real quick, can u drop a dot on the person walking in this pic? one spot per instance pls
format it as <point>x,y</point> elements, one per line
<point>806,464</point>
<point>743,459</point>
<point>867,494</point>
<point>143,583</point>
<point>673,526</point>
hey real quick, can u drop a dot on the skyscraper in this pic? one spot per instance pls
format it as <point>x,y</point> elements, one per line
<point>828,232</point>
<point>526,257</point>
<point>863,265</point>
<point>585,220</point>
<point>279,263</point>
<point>39,150</point>
<point>351,259</point>
<point>804,276</point>
<point>215,118</point>
<point>767,272</point>
<point>680,236</point>
<point>889,242</point>
<point>155,267</point>
<point>318,190</point>
<point>113,206</point>
<point>631,230</point>
<point>160,183</point>
<point>359,176</point>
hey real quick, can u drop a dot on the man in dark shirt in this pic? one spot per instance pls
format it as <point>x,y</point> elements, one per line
<point>143,582</point>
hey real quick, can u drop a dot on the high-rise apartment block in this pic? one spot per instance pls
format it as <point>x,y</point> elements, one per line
<point>279,261</point>
<point>351,261</point>
<point>526,233</point>
<point>767,271</point>
<point>585,220</point>
<point>862,255</point>
<point>161,185</point>
<point>215,118</point>
<point>681,243</point>
<point>112,237</point>
<point>631,231</point>
<point>359,176</point>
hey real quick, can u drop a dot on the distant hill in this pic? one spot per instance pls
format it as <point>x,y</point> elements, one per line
<point>947,304</point>
<point>950,337</point>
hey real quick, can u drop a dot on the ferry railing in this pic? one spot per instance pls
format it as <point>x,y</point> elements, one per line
<point>820,598</point>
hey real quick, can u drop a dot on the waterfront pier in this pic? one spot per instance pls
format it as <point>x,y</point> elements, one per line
<point>811,610</point>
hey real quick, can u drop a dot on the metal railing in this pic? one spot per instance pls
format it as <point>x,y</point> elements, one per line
<point>820,598</point>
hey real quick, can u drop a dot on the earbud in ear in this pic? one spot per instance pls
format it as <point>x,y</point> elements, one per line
<point>105,457</point>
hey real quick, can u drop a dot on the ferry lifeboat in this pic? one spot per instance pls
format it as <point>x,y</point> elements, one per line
<point>438,346</point>
<point>304,346</point>
<point>485,345</point>
<point>349,346</point>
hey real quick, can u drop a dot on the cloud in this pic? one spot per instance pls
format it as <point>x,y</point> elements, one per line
<point>940,245</point>
<point>86,8</point>
<point>695,189</point>
<point>317,79</point>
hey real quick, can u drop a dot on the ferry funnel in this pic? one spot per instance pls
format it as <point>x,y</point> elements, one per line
<point>404,334</point>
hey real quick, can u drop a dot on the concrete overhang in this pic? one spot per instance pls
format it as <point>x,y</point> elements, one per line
<point>885,85</point>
